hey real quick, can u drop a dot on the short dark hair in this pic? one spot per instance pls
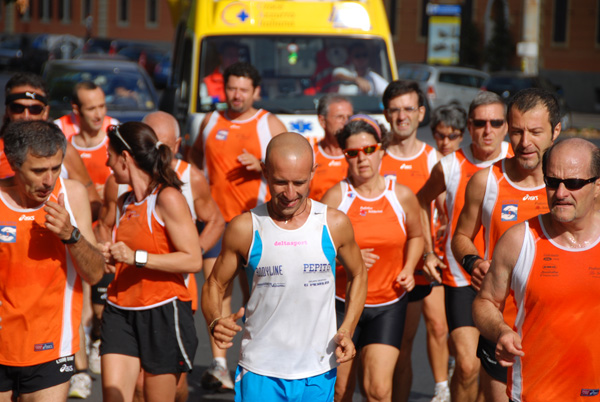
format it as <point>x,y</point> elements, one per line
<point>326,101</point>
<point>358,124</point>
<point>242,69</point>
<point>530,98</point>
<point>85,85</point>
<point>20,79</point>
<point>452,115</point>
<point>402,87</point>
<point>37,137</point>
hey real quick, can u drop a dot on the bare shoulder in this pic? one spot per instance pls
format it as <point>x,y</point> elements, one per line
<point>76,191</point>
<point>509,245</point>
<point>337,220</point>
<point>168,197</point>
<point>276,125</point>
<point>333,197</point>
<point>238,233</point>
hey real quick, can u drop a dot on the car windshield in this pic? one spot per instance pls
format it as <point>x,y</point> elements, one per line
<point>125,90</point>
<point>295,70</point>
<point>513,84</point>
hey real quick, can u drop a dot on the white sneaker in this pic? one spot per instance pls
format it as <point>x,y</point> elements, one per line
<point>216,378</point>
<point>442,394</point>
<point>81,386</point>
<point>94,358</point>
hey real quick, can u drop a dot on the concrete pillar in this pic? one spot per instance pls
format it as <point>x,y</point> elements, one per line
<point>102,21</point>
<point>528,49</point>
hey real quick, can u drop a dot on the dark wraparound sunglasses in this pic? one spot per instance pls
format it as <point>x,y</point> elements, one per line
<point>18,108</point>
<point>481,123</point>
<point>441,137</point>
<point>570,184</point>
<point>367,150</point>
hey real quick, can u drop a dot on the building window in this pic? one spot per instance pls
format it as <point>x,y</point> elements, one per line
<point>560,21</point>
<point>64,11</point>
<point>424,31</point>
<point>26,16</point>
<point>45,10</point>
<point>123,12</point>
<point>152,13</point>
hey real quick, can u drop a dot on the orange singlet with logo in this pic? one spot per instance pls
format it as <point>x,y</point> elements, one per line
<point>69,124</point>
<point>139,288</point>
<point>558,302</point>
<point>94,159</point>
<point>378,223</point>
<point>458,168</point>
<point>5,169</point>
<point>330,171</point>
<point>40,289</point>
<point>413,173</point>
<point>233,187</point>
<point>504,205</point>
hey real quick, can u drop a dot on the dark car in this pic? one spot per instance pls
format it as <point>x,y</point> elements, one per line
<point>146,56</point>
<point>508,83</point>
<point>130,94</point>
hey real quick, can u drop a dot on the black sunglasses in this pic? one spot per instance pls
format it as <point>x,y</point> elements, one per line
<point>18,108</point>
<point>481,123</point>
<point>367,150</point>
<point>441,137</point>
<point>570,184</point>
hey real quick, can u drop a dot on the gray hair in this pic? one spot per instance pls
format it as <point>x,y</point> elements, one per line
<point>484,98</point>
<point>451,115</point>
<point>40,138</point>
<point>326,101</point>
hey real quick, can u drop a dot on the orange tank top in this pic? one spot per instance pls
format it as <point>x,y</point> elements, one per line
<point>140,288</point>
<point>94,159</point>
<point>5,169</point>
<point>413,172</point>
<point>556,290</point>
<point>458,168</point>
<point>505,204</point>
<point>378,223</point>
<point>39,288</point>
<point>330,171</point>
<point>235,189</point>
<point>70,125</point>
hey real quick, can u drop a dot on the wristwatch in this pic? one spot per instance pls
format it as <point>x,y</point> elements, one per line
<point>75,236</point>
<point>140,258</point>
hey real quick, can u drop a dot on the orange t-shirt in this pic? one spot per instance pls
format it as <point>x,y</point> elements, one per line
<point>378,223</point>
<point>330,171</point>
<point>139,288</point>
<point>556,290</point>
<point>5,169</point>
<point>413,172</point>
<point>235,189</point>
<point>39,288</point>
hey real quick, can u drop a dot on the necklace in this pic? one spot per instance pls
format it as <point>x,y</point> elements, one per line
<point>284,219</point>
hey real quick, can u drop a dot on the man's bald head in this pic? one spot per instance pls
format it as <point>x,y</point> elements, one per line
<point>289,146</point>
<point>166,128</point>
<point>579,147</point>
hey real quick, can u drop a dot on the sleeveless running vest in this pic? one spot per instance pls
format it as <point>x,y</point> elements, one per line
<point>290,316</point>
<point>138,288</point>
<point>458,168</point>
<point>94,159</point>
<point>69,124</point>
<point>558,302</point>
<point>330,171</point>
<point>378,223</point>
<point>39,287</point>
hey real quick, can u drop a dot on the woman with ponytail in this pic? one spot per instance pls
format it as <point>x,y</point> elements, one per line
<point>148,321</point>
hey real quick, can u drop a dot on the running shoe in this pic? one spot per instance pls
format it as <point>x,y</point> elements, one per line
<point>442,394</point>
<point>94,358</point>
<point>81,386</point>
<point>216,378</point>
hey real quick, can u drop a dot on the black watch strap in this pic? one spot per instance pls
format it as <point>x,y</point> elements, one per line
<point>75,236</point>
<point>468,261</point>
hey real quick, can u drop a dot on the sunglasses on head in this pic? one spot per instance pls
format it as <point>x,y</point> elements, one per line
<point>481,123</point>
<point>18,108</point>
<point>441,137</point>
<point>570,184</point>
<point>367,150</point>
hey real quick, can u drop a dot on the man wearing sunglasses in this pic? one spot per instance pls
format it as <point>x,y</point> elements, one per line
<point>26,99</point>
<point>508,192</point>
<point>550,264</point>
<point>410,160</point>
<point>487,126</point>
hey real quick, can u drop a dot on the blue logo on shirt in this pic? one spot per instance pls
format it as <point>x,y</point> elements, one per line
<point>8,233</point>
<point>222,135</point>
<point>509,212</point>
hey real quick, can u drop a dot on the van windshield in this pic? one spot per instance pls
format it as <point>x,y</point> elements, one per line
<point>297,70</point>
